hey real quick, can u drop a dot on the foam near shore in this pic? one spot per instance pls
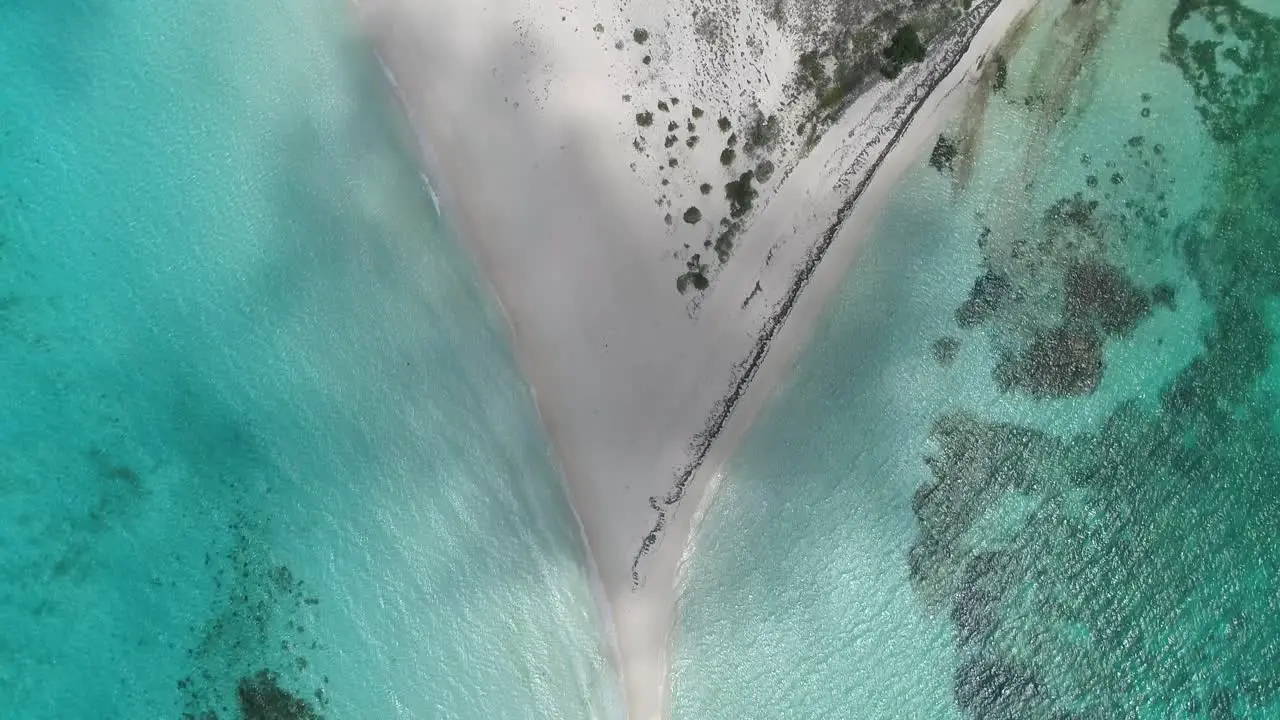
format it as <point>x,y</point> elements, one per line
<point>528,118</point>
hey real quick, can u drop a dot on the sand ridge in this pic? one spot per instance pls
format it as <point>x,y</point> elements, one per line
<point>530,122</point>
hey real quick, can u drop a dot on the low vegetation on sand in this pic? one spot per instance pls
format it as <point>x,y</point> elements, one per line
<point>695,275</point>
<point>905,48</point>
<point>724,241</point>
<point>843,60</point>
<point>740,194</point>
<point>762,133</point>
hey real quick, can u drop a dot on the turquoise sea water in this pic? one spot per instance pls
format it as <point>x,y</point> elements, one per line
<point>263,449</point>
<point>1028,467</point>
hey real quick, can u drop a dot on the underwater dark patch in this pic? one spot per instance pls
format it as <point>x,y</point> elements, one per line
<point>260,697</point>
<point>1130,569</point>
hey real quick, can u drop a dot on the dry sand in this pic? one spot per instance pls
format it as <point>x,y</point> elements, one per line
<point>520,114</point>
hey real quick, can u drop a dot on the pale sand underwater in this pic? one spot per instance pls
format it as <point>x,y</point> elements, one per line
<point>263,440</point>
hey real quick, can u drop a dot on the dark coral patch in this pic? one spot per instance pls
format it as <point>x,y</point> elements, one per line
<point>1102,296</point>
<point>1074,211</point>
<point>261,698</point>
<point>945,350</point>
<point>991,687</point>
<point>975,610</point>
<point>1063,362</point>
<point>989,293</point>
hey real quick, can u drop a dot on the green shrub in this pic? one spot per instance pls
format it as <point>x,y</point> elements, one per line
<point>724,241</point>
<point>764,170</point>
<point>832,97</point>
<point>640,35</point>
<point>695,275</point>
<point>848,77</point>
<point>727,156</point>
<point>692,215</point>
<point>740,194</point>
<point>811,74</point>
<point>763,132</point>
<point>644,119</point>
<point>905,47</point>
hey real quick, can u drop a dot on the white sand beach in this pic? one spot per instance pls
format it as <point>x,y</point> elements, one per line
<point>527,117</point>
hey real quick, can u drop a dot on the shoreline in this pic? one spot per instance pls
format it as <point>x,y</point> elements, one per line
<point>750,365</point>
<point>454,215</point>
<point>634,392</point>
<point>446,208</point>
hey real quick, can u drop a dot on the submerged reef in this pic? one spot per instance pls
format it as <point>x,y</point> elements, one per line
<point>1110,572</point>
<point>1100,302</point>
<point>1130,569</point>
<point>990,292</point>
<point>1227,52</point>
<point>257,645</point>
<point>945,349</point>
<point>261,698</point>
<point>1058,363</point>
<point>1055,284</point>
<point>1238,97</point>
<point>1113,565</point>
<point>1054,287</point>
<point>1102,298</point>
<point>1053,315</point>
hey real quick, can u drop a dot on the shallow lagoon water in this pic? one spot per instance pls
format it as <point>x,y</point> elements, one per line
<point>263,443</point>
<point>1026,468</point>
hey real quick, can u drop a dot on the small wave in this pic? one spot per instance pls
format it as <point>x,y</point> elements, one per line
<point>435,199</point>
